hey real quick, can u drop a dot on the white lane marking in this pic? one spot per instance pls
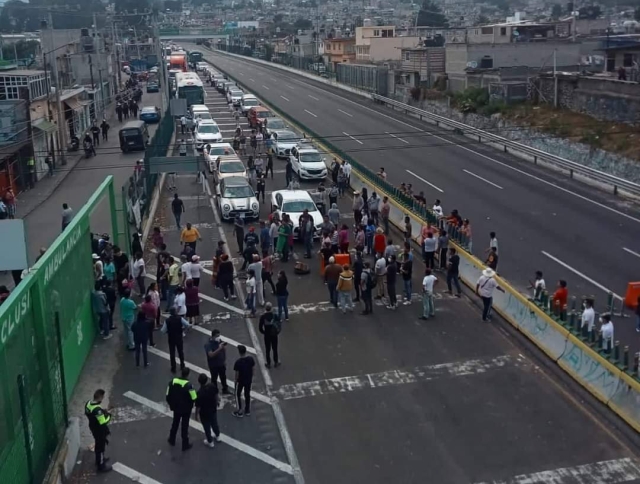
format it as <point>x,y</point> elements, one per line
<point>578,273</point>
<point>284,98</point>
<point>311,113</point>
<point>483,179</point>
<point>344,112</point>
<point>165,356</point>
<point>610,471</point>
<point>541,180</point>
<point>290,87</point>
<point>273,79</point>
<point>266,87</point>
<point>425,181</point>
<point>230,341</point>
<point>242,447</point>
<point>200,226</point>
<point>313,97</point>
<point>211,300</point>
<point>252,80</point>
<point>393,377</point>
<point>242,73</point>
<point>275,405</point>
<point>354,139</point>
<point>132,474</point>
<point>632,252</point>
<point>400,139</point>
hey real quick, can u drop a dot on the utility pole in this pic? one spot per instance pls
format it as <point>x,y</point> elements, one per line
<point>555,79</point>
<point>50,143</point>
<point>99,105</point>
<point>62,136</point>
<point>117,51</point>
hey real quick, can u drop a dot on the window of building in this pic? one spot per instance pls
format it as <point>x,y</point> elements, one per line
<point>627,60</point>
<point>339,46</point>
<point>487,30</point>
<point>376,33</point>
<point>503,31</point>
<point>407,56</point>
<point>387,33</point>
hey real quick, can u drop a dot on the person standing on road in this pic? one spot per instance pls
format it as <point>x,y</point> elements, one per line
<point>367,284</point>
<point>48,160</point>
<point>100,308</point>
<point>104,127</point>
<point>183,124</point>
<point>225,277</point>
<point>182,148</point>
<point>269,165</point>
<point>485,288</point>
<point>493,243</point>
<point>67,215</point>
<point>284,231</point>
<point>119,112</point>
<point>244,377</point>
<point>142,328</point>
<point>181,396</point>
<point>344,288</point>
<point>357,206</point>
<point>392,273</point>
<point>560,298</point>
<point>95,133</point>
<point>407,272</point>
<point>173,327</point>
<point>267,274</point>
<point>538,285</point>
<point>332,278</point>
<point>140,273</point>
<point>216,351</point>
<point>256,267</point>
<point>177,208</point>
<point>380,270</point>
<point>588,317</point>
<point>282,295</point>
<point>250,301</point>
<point>99,420</point>
<point>443,249</point>
<point>374,205</point>
<point>207,410</point>
<point>428,283</point>
<point>492,258</point>
<point>190,236</point>
<point>453,272</point>
<point>238,231</point>
<point>127,315</point>
<point>270,326</point>
<point>174,282</point>
<point>429,246</point>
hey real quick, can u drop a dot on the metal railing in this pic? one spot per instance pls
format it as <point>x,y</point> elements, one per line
<point>571,167</point>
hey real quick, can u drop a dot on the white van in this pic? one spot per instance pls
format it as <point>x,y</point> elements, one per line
<point>198,108</point>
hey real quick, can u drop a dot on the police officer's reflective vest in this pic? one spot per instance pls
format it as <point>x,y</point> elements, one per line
<point>98,419</point>
<point>180,395</point>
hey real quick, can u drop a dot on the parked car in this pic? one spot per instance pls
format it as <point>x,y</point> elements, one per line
<point>234,96</point>
<point>150,114</point>
<point>257,115</point>
<point>153,86</point>
<point>283,142</point>
<point>308,163</point>
<point>207,132</point>
<point>228,166</point>
<point>275,124</point>
<point>248,101</point>
<point>236,198</point>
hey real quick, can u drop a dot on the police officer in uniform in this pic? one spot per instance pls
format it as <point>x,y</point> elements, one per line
<point>99,425</point>
<point>181,397</point>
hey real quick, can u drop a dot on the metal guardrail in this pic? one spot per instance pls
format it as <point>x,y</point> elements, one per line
<point>569,166</point>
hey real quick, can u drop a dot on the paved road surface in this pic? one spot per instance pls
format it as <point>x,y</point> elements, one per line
<point>543,221</point>
<point>377,399</point>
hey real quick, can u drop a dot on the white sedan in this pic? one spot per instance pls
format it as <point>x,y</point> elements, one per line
<point>283,142</point>
<point>294,203</point>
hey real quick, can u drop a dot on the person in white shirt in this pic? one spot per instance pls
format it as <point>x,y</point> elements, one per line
<point>493,242</point>
<point>194,269</point>
<point>538,285</point>
<point>251,293</point>
<point>183,123</point>
<point>98,267</point>
<point>437,208</point>
<point>139,272</point>
<point>428,284</point>
<point>180,302</point>
<point>256,267</point>
<point>485,287</point>
<point>346,166</point>
<point>607,332</point>
<point>588,316</point>
<point>185,269</point>
<point>381,274</point>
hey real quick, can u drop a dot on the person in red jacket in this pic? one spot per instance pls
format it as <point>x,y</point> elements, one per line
<point>379,241</point>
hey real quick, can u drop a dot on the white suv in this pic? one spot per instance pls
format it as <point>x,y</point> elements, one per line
<point>308,163</point>
<point>207,132</point>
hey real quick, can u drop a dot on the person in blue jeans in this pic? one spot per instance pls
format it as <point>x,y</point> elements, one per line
<point>407,270</point>
<point>128,310</point>
<point>101,309</point>
<point>282,294</point>
<point>250,301</point>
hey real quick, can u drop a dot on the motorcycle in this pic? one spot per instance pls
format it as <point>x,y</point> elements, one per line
<point>74,145</point>
<point>88,150</point>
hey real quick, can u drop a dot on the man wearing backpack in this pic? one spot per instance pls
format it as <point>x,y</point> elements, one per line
<point>270,326</point>
<point>367,284</point>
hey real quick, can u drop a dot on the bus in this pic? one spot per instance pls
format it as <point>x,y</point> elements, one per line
<point>178,61</point>
<point>189,86</point>
<point>195,57</point>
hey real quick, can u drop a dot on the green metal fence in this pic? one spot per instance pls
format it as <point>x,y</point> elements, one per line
<point>46,332</point>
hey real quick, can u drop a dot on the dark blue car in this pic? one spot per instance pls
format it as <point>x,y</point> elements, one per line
<point>153,86</point>
<point>150,114</point>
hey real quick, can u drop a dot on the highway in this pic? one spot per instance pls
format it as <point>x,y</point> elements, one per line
<point>543,220</point>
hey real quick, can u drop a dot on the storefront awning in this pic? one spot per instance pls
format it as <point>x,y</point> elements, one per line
<point>74,104</point>
<point>44,125</point>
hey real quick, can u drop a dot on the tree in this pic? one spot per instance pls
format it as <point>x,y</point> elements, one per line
<point>430,15</point>
<point>277,18</point>
<point>482,19</point>
<point>556,11</point>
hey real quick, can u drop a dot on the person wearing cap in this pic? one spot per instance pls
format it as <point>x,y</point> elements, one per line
<point>332,277</point>
<point>195,269</point>
<point>358,205</point>
<point>251,241</point>
<point>189,236</point>
<point>485,287</point>
<point>98,268</point>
